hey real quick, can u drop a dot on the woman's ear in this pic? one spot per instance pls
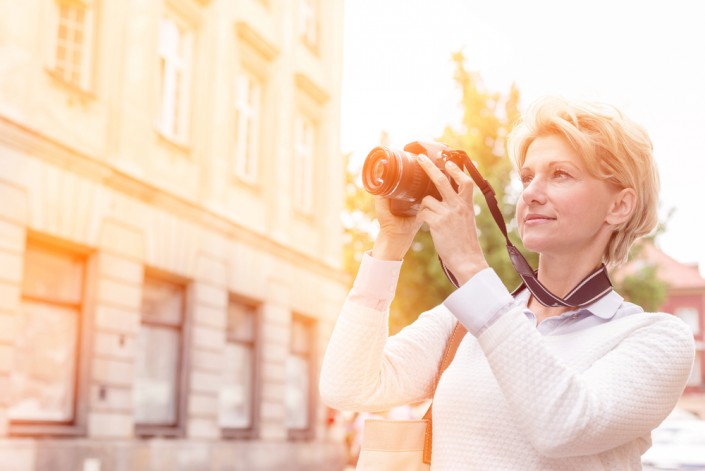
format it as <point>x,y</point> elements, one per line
<point>622,207</point>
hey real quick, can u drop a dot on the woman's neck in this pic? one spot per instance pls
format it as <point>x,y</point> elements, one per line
<point>560,275</point>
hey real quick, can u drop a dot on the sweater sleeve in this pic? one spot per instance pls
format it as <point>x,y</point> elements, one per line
<point>620,397</point>
<point>364,370</point>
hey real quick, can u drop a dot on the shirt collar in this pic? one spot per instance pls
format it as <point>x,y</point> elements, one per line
<point>604,308</point>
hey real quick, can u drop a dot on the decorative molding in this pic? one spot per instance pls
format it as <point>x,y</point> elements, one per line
<point>312,89</point>
<point>189,12</point>
<point>256,41</point>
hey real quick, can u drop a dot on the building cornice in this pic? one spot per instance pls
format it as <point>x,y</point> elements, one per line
<point>256,41</point>
<point>308,86</point>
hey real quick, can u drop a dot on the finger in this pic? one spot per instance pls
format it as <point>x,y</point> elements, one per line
<point>457,173</point>
<point>437,177</point>
<point>381,205</point>
<point>465,184</point>
<point>428,214</point>
<point>431,204</point>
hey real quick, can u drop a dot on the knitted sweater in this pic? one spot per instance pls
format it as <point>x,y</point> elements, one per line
<point>513,399</point>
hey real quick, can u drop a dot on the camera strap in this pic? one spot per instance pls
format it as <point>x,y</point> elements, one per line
<point>593,287</point>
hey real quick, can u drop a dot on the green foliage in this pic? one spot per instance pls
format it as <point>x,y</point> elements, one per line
<point>644,288</point>
<point>358,220</point>
<point>488,117</point>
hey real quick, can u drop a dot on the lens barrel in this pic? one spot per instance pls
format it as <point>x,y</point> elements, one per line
<point>380,172</point>
<point>395,174</point>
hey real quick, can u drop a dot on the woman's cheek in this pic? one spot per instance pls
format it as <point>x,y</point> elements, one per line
<point>520,222</point>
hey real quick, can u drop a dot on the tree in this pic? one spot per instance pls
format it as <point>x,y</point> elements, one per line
<point>641,285</point>
<point>644,288</point>
<point>488,117</point>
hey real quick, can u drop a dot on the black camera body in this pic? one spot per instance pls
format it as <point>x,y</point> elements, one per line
<point>397,174</point>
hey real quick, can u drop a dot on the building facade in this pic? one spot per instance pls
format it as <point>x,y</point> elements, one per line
<point>170,243</point>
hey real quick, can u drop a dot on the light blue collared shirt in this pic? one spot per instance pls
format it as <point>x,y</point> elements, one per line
<point>608,308</point>
<point>496,300</point>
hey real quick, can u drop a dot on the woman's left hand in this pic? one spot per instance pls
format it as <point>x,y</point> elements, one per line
<point>452,221</point>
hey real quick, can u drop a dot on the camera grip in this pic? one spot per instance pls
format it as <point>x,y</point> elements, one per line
<point>403,208</point>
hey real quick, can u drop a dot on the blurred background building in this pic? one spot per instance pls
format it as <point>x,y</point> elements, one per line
<point>685,298</point>
<point>170,244</point>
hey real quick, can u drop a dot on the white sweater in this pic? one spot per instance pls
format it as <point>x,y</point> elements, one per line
<point>513,399</point>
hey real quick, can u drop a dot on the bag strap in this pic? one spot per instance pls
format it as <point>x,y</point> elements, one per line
<point>456,337</point>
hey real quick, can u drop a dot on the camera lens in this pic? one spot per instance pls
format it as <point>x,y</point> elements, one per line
<point>395,174</point>
<point>380,172</point>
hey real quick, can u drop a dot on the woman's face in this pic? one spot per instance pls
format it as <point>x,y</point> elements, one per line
<point>562,209</point>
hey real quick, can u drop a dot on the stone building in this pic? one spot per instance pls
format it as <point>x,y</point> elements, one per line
<point>170,250</point>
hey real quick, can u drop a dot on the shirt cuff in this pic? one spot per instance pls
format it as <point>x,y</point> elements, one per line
<point>480,301</point>
<point>375,283</point>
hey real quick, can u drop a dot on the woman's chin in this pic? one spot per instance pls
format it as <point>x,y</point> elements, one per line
<point>533,244</point>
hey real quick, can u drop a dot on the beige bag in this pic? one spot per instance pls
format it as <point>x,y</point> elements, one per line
<point>393,445</point>
<point>403,445</point>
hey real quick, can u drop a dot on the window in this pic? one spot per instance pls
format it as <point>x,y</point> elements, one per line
<point>303,174</point>
<point>248,111</point>
<point>44,382</point>
<point>299,379</point>
<point>690,316</point>
<point>696,374</point>
<point>237,396</point>
<point>72,46</point>
<point>308,18</point>
<point>175,53</point>
<point>158,366</point>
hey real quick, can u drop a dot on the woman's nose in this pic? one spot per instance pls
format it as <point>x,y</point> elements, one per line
<point>534,192</point>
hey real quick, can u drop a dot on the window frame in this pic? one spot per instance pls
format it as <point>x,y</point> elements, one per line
<point>253,430</point>
<point>77,426</point>
<point>86,68</point>
<point>309,17</point>
<point>308,432</point>
<point>173,127</point>
<point>305,154</point>
<point>247,152</point>
<point>690,314</point>
<point>252,56</point>
<point>183,367</point>
<point>697,378</point>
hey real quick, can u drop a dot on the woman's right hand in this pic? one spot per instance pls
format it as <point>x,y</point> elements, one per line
<point>396,233</point>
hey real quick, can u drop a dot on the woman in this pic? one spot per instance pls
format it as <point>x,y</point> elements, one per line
<point>530,387</point>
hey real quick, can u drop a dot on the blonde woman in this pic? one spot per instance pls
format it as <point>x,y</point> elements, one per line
<point>531,387</point>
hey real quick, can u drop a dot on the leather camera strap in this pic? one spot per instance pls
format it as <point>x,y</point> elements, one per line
<point>593,287</point>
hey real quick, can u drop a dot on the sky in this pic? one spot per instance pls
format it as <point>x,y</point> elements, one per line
<point>645,57</point>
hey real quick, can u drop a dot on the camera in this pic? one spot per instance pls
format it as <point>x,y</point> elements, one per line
<point>397,175</point>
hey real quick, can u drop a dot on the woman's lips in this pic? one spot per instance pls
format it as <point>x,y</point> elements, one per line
<point>537,219</point>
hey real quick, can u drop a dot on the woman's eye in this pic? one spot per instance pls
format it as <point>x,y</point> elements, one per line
<point>558,173</point>
<point>526,179</point>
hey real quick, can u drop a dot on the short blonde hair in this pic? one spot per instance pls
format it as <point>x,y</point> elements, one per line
<point>612,147</point>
